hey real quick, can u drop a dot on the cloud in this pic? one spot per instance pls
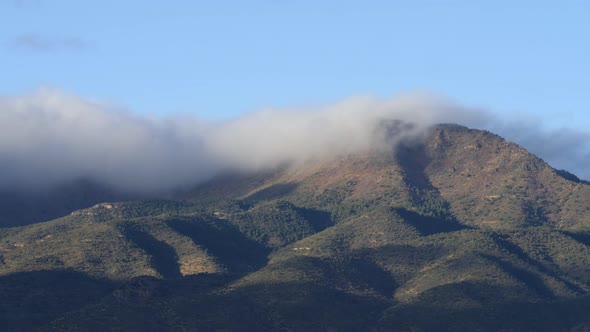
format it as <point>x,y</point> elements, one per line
<point>352,125</point>
<point>37,43</point>
<point>50,137</point>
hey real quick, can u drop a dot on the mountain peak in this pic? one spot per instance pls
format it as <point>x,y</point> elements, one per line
<point>481,178</point>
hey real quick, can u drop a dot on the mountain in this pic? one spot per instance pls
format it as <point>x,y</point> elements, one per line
<point>458,231</point>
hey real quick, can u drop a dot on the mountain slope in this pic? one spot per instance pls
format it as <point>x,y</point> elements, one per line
<point>492,182</point>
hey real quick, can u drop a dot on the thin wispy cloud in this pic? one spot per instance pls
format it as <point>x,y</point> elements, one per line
<point>32,42</point>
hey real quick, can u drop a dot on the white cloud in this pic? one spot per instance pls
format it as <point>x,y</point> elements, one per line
<point>49,137</point>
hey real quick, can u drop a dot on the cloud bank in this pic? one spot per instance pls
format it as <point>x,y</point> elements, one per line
<point>50,137</point>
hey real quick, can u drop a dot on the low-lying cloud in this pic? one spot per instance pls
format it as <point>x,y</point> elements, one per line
<point>49,137</point>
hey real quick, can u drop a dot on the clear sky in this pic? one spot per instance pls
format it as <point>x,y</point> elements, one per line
<point>221,58</point>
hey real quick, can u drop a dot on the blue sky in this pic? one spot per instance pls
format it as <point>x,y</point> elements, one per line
<point>219,59</point>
